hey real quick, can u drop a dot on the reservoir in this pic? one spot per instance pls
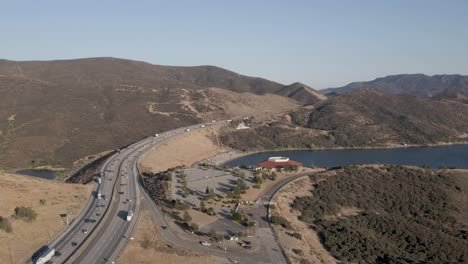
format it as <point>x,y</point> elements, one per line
<point>435,157</point>
<point>44,174</point>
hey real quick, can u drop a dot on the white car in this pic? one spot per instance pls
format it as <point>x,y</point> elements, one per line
<point>203,126</point>
<point>205,243</point>
<point>85,231</point>
<point>187,130</point>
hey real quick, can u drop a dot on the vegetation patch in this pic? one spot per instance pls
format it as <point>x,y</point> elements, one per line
<point>5,225</point>
<point>25,213</point>
<point>407,215</point>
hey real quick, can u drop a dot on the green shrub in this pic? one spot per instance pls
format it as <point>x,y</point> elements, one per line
<point>297,235</point>
<point>5,225</point>
<point>42,201</point>
<point>298,251</point>
<point>187,217</point>
<point>25,213</point>
<point>194,227</point>
<point>279,220</point>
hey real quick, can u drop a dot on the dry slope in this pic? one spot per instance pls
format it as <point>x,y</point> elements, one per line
<point>27,237</point>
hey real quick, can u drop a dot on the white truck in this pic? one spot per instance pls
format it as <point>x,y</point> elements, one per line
<point>129,215</point>
<point>46,256</point>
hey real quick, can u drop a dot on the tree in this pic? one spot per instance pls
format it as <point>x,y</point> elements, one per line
<point>236,216</point>
<point>210,211</point>
<point>202,206</point>
<point>187,217</point>
<point>242,185</point>
<point>194,227</point>
<point>258,180</point>
<point>207,191</point>
<point>273,176</point>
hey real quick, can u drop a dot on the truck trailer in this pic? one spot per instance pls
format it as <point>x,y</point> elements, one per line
<point>46,256</point>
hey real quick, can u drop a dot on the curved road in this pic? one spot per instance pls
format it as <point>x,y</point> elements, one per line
<point>101,231</point>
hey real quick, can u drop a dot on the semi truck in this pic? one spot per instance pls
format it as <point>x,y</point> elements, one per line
<point>129,215</point>
<point>46,256</point>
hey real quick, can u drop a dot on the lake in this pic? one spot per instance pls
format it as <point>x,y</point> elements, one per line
<point>435,157</point>
<point>44,174</point>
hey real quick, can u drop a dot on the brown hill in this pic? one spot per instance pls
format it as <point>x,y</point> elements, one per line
<point>302,93</point>
<point>361,118</point>
<point>96,72</point>
<point>56,112</point>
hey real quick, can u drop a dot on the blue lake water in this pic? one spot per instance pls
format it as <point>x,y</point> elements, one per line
<point>451,156</point>
<point>44,174</point>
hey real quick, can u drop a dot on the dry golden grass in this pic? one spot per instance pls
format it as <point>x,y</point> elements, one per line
<point>27,237</point>
<point>310,243</point>
<point>148,247</point>
<point>184,149</point>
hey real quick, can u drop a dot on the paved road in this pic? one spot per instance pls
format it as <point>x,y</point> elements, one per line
<point>100,232</point>
<point>108,231</point>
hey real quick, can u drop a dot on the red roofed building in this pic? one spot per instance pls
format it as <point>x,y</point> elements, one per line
<point>278,163</point>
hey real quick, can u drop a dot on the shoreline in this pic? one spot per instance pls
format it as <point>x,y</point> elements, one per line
<point>236,154</point>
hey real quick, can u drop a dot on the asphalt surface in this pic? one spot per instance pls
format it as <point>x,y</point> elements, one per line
<point>101,231</point>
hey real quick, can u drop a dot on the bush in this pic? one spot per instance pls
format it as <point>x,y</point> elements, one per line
<point>236,216</point>
<point>297,235</point>
<point>42,201</point>
<point>193,227</point>
<point>5,225</point>
<point>210,211</point>
<point>279,220</point>
<point>187,217</point>
<point>25,213</point>
<point>298,251</point>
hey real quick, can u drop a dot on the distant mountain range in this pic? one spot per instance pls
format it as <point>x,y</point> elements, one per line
<point>98,72</point>
<point>360,118</point>
<point>414,84</point>
<point>55,112</point>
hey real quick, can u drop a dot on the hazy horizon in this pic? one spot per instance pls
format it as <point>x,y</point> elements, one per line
<point>319,44</point>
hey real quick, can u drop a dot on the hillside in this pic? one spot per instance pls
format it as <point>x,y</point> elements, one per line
<point>51,122</point>
<point>49,199</point>
<point>415,84</point>
<point>302,93</point>
<point>389,214</point>
<point>361,118</point>
<point>99,72</point>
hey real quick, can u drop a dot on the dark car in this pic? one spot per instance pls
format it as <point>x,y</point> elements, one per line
<point>74,243</point>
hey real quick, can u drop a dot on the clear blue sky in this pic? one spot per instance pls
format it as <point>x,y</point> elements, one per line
<point>320,43</point>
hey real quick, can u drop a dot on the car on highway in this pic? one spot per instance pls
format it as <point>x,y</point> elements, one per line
<point>74,244</point>
<point>205,243</point>
<point>85,231</point>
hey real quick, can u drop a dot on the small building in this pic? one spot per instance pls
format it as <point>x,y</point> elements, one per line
<point>278,163</point>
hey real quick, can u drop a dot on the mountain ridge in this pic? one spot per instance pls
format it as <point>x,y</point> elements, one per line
<point>420,85</point>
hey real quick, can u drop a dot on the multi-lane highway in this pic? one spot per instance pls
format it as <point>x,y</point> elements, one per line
<point>101,230</point>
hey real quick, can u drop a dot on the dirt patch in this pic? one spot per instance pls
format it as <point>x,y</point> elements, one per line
<point>49,199</point>
<point>184,149</point>
<point>147,247</point>
<point>310,243</point>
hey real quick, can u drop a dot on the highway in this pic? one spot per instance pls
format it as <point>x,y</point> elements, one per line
<point>101,230</point>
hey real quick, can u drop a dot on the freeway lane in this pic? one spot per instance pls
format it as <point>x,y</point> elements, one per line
<point>105,238</point>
